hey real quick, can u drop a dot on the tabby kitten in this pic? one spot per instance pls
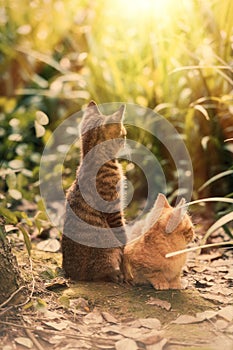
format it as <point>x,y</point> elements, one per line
<point>94,231</point>
<point>165,229</point>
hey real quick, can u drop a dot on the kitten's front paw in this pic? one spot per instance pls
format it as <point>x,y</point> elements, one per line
<point>160,285</point>
<point>116,276</point>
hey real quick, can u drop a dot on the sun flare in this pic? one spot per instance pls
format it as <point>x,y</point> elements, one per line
<point>146,7</point>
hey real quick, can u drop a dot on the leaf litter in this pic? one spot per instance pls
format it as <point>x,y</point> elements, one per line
<point>80,321</point>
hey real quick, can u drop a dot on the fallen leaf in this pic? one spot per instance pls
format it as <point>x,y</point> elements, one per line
<point>126,344</point>
<point>82,328</point>
<point>128,332</point>
<point>202,283</point>
<point>151,323</point>
<point>199,268</point>
<point>158,346</point>
<point>80,304</point>
<point>186,319</point>
<point>184,283</point>
<point>213,297</point>
<point>227,313</point>
<point>108,317</point>
<point>56,339</point>
<point>220,289</point>
<point>150,339</point>
<point>52,315</point>
<point>221,324</point>
<point>24,341</point>
<point>229,276</point>
<point>7,347</point>
<point>59,326</point>
<point>209,257</point>
<point>93,317</point>
<point>49,245</point>
<point>230,329</point>
<point>58,282</point>
<point>206,315</point>
<point>209,278</point>
<point>219,263</point>
<point>158,302</point>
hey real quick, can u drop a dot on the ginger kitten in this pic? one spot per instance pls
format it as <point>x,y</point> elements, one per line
<point>94,233</point>
<point>165,229</point>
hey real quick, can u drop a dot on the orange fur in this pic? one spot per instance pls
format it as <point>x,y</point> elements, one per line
<point>166,229</point>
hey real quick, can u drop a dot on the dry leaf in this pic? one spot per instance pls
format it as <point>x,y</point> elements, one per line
<point>93,317</point>
<point>58,282</point>
<point>158,346</point>
<point>230,329</point>
<point>49,245</point>
<point>186,319</point>
<point>128,332</point>
<point>56,339</point>
<point>24,341</point>
<point>199,268</point>
<point>80,304</point>
<point>59,326</point>
<point>52,315</point>
<point>151,323</point>
<point>209,257</point>
<point>229,276</point>
<point>83,329</point>
<point>126,344</point>
<point>206,315</point>
<point>158,302</point>
<point>150,339</point>
<point>108,317</point>
<point>218,298</point>
<point>221,324</point>
<point>227,313</point>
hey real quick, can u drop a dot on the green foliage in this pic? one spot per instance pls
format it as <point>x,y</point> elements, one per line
<point>174,57</point>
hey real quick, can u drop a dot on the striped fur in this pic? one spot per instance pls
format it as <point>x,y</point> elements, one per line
<point>85,224</point>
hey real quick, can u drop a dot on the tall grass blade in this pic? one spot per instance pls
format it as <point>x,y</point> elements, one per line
<point>219,223</point>
<point>178,252</point>
<point>215,178</point>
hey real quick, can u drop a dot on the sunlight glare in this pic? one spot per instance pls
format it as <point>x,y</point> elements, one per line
<point>132,8</point>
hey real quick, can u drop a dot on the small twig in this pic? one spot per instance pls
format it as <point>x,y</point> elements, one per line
<point>174,342</point>
<point>33,286</point>
<point>197,248</point>
<point>48,331</point>
<point>12,296</point>
<point>5,310</point>
<point>32,337</point>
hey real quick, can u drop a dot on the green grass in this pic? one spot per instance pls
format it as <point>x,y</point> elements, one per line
<point>175,59</point>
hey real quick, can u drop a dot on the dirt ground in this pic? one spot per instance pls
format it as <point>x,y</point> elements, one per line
<point>60,314</point>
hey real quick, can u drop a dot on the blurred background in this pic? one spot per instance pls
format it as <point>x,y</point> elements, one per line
<point>174,57</point>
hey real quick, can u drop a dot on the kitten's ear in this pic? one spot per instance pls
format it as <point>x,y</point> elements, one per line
<point>175,218</point>
<point>155,213</point>
<point>92,108</point>
<point>181,202</point>
<point>162,201</point>
<point>118,116</point>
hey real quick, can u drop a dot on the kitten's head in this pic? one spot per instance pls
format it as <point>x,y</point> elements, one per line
<point>97,128</point>
<point>171,219</point>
